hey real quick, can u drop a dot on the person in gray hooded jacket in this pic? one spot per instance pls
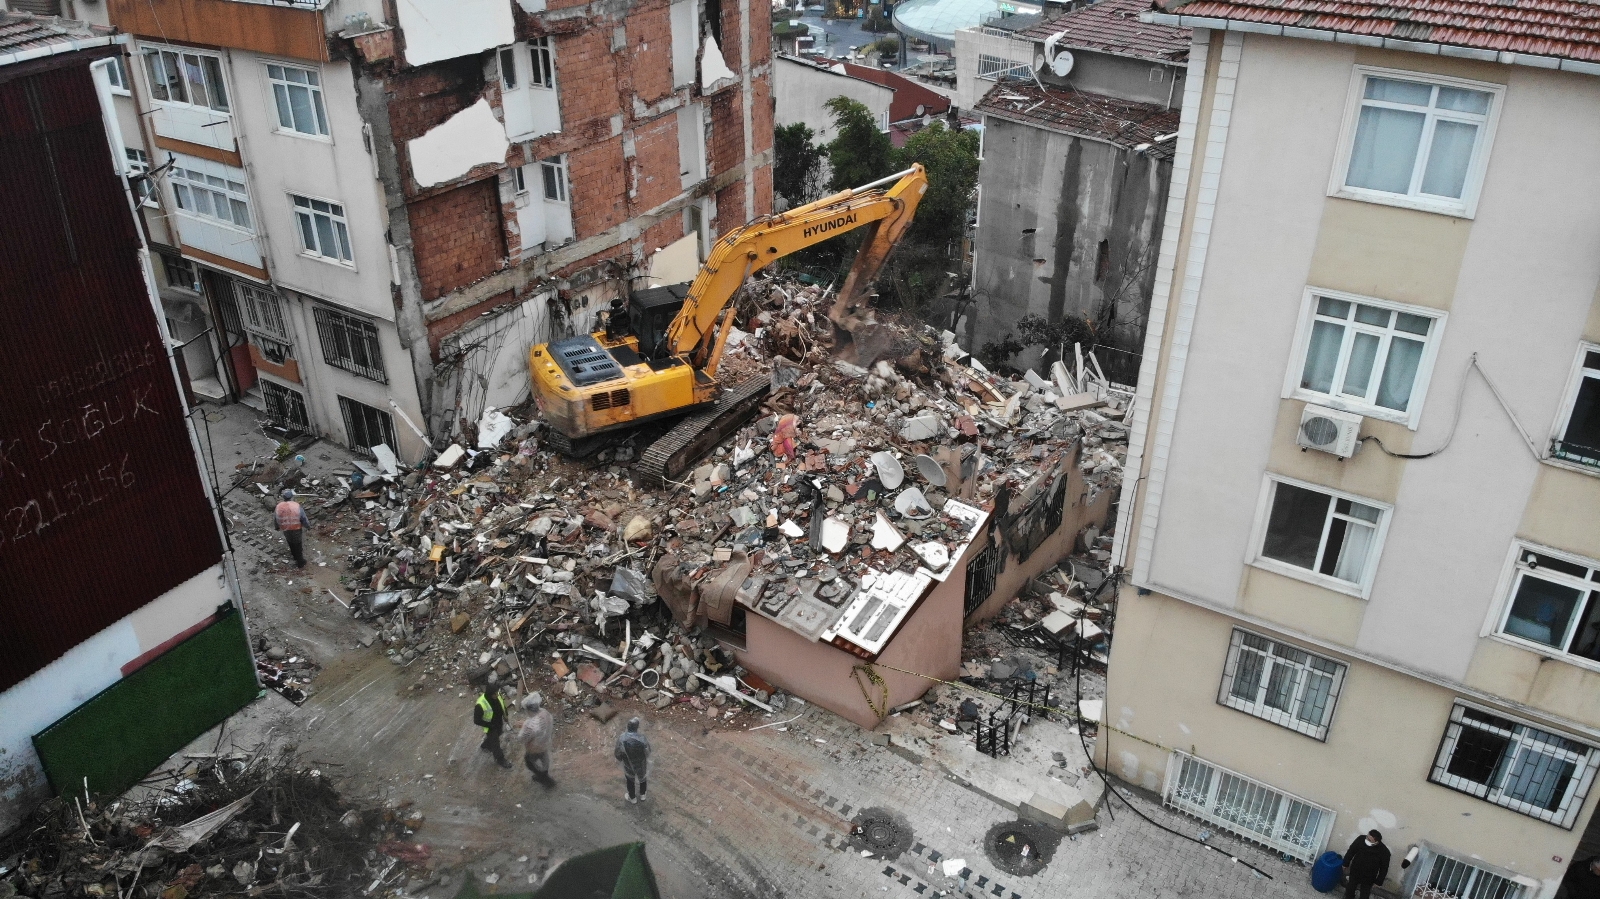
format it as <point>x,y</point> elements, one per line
<point>537,736</point>
<point>633,751</point>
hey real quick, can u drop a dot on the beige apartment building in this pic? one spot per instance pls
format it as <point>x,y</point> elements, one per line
<point>1360,527</point>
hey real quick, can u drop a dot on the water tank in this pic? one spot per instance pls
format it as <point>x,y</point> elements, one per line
<point>1325,873</point>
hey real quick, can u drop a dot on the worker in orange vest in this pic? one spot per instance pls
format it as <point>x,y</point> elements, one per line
<point>291,520</point>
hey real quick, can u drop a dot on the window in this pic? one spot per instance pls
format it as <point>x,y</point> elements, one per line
<point>297,95</point>
<point>350,343</point>
<point>1321,536</point>
<point>1444,877</point>
<point>519,179</point>
<point>211,196</point>
<point>117,74</point>
<point>1366,356</point>
<point>994,68</point>
<point>508,69</point>
<point>180,273</point>
<point>555,178</point>
<point>365,426</point>
<point>541,54</point>
<point>1246,807</point>
<point>285,405</point>
<point>1417,143</point>
<point>262,313</point>
<point>1555,603</point>
<point>1578,435</point>
<point>139,176</point>
<point>1514,765</point>
<point>1281,683</point>
<point>273,351</point>
<point>192,79</point>
<point>322,229</point>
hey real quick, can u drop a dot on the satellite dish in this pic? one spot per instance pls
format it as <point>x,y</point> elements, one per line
<point>1062,64</point>
<point>920,109</point>
<point>1039,62</point>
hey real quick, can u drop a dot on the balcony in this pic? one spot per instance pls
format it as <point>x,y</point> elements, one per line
<point>1576,453</point>
<point>290,28</point>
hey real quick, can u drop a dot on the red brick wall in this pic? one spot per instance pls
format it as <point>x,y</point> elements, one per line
<point>764,190</point>
<point>727,131</point>
<point>457,237</point>
<point>664,232</point>
<point>444,327</point>
<point>730,207</point>
<point>599,187</point>
<point>656,167</point>
<point>650,52</point>
<point>589,80</point>
<point>761,113</point>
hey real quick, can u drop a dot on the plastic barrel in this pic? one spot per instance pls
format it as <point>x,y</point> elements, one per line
<point>1325,873</point>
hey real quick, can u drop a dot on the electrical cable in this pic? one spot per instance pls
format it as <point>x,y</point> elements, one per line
<point>1455,421</point>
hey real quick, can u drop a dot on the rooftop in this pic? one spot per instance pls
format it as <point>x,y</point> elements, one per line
<point>1561,29</point>
<point>24,37</point>
<point>1113,27</point>
<point>1122,122</point>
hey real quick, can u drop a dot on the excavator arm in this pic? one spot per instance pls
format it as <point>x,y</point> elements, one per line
<point>885,210</point>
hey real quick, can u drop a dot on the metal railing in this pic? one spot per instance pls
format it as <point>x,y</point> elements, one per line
<point>1575,453</point>
<point>1246,807</point>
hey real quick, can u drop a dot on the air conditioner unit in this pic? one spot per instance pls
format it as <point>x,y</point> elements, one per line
<point>1329,431</point>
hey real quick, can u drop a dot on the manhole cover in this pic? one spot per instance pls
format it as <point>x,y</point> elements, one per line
<point>1022,848</point>
<point>883,833</point>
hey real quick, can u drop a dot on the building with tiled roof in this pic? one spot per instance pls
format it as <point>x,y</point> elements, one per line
<point>1357,522</point>
<point>1114,27</point>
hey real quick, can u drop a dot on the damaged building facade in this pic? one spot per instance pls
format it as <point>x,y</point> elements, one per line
<point>1076,160</point>
<point>119,607</point>
<point>1359,509</point>
<point>367,211</point>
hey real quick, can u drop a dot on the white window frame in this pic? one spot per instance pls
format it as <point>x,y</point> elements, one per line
<point>138,163</point>
<point>178,178</point>
<point>1467,206</point>
<point>519,180</point>
<point>556,167</point>
<point>1258,535</point>
<point>542,63</point>
<point>1460,876</point>
<point>1511,575</point>
<point>1577,791</point>
<point>1273,661</point>
<point>1412,415</point>
<point>117,76</point>
<point>171,261</point>
<point>319,102</point>
<point>262,311</point>
<point>1569,402</point>
<point>335,219</point>
<point>1184,794</point>
<point>146,50</point>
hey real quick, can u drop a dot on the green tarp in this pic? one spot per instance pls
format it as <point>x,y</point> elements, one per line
<point>620,872</point>
<point>130,727</point>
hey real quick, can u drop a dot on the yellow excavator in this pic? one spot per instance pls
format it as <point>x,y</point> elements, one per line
<point>658,354</point>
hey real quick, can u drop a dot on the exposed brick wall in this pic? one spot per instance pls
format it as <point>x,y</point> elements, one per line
<point>592,84</point>
<point>727,131</point>
<point>761,112</point>
<point>764,190</point>
<point>664,232</point>
<point>457,237</point>
<point>656,172</point>
<point>444,327</point>
<point>730,207</point>
<point>650,52</point>
<point>599,187</point>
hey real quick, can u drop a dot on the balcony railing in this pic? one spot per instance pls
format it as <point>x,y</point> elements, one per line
<point>1576,453</point>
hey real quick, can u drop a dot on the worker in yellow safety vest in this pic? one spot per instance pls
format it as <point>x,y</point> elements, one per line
<point>489,713</point>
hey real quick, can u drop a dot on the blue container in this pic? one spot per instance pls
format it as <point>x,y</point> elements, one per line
<point>1325,873</point>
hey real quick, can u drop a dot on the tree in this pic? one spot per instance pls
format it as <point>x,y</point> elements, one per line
<point>951,158</point>
<point>798,171</point>
<point>860,154</point>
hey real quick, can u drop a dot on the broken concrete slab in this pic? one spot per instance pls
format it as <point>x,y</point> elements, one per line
<point>923,427</point>
<point>1057,806</point>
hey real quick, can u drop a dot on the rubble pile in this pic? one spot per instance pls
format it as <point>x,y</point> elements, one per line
<point>504,560</point>
<point>224,825</point>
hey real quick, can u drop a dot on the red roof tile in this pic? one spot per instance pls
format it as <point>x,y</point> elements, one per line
<point>1567,29</point>
<point>908,95</point>
<point>1122,122</point>
<point>1113,26</point>
<point>23,35</point>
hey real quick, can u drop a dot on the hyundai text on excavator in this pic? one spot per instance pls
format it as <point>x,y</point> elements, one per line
<point>657,356</point>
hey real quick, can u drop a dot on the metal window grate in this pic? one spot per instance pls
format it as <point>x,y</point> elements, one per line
<point>981,574</point>
<point>1247,807</point>
<point>350,343</point>
<point>366,427</point>
<point>1281,683</point>
<point>262,313</point>
<point>1450,878</point>
<point>285,406</point>
<point>1514,765</point>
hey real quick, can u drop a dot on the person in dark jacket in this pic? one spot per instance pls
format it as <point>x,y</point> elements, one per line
<point>489,713</point>
<point>1366,864</point>
<point>633,751</point>
<point>1582,880</point>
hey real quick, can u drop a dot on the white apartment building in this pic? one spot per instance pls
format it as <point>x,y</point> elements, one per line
<point>1360,526</point>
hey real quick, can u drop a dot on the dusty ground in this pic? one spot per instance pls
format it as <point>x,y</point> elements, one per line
<point>731,813</point>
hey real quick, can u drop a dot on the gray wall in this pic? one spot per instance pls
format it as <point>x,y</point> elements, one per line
<point>1125,78</point>
<point>1073,193</point>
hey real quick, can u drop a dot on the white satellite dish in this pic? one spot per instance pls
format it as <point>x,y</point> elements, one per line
<point>1060,61</point>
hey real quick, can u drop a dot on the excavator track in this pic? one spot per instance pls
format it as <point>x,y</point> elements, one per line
<point>694,436</point>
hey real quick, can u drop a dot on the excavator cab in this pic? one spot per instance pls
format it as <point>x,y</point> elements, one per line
<point>650,314</point>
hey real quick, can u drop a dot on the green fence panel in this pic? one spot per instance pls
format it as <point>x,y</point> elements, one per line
<point>618,872</point>
<point>130,727</point>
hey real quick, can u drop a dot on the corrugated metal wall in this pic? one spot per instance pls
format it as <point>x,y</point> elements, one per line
<point>102,507</point>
